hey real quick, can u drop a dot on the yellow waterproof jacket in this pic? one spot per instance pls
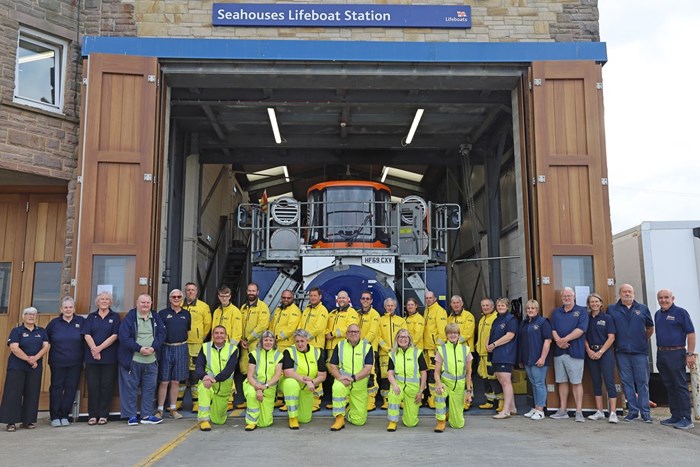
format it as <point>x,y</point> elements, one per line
<point>338,322</point>
<point>485,323</point>
<point>283,324</point>
<point>389,325</point>
<point>256,319</point>
<point>201,325</point>
<point>454,361</point>
<point>266,362</point>
<point>369,327</point>
<point>467,324</point>
<point>434,330</point>
<point>314,320</point>
<point>415,324</point>
<point>230,318</point>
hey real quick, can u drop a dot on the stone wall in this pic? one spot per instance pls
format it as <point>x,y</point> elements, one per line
<point>492,21</point>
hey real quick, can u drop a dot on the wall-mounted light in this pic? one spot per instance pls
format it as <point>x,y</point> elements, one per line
<point>414,126</point>
<point>286,173</point>
<point>275,127</point>
<point>385,172</point>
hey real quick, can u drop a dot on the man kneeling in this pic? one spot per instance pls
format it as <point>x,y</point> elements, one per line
<point>350,365</point>
<point>214,370</point>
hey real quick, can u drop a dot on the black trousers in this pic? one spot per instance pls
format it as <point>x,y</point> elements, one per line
<point>100,385</point>
<point>20,399</point>
<point>64,383</point>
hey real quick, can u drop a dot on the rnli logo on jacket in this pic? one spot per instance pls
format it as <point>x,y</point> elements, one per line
<point>25,334</point>
<point>536,327</point>
<point>637,312</point>
<point>502,325</point>
<point>670,318</point>
<point>577,313</point>
<point>601,323</point>
<point>169,316</point>
<point>111,321</point>
<point>77,325</point>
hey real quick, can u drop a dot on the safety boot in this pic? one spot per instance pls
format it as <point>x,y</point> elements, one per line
<point>205,425</point>
<point>440,427</point>
<point>339,423</point>
<point>293,423</point>
<point>431,401</point>
<point>329,406</point>
<point>250,426</point>
<point>283,408</point>
<point>467,405</point>
<point>195,407</point>
<point>317,404</point>
<point>391,427</point>
<point>371,404</point>
<point>488,405</point>
<point>385,403</point>
<point>242,405</point>
<point>500,405</point>
<point>279,402</point>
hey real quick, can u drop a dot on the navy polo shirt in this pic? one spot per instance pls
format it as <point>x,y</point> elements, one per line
<point>672,326</point>
<point>631,325</point>
<point>67,343</point>
<point>177,325</point>
<point>100,329</point>
<point>503,324</point>
<point>598,329</point>
<point>564,323</point>
<point>531,339</point>
<point>30,342</point>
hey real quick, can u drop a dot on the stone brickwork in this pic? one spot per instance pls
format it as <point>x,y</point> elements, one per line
<point>492,21</point>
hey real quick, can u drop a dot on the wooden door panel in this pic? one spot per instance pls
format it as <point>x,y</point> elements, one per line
<point>118,155</point>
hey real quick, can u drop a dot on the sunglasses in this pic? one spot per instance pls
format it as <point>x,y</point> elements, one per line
<point>176,296</point>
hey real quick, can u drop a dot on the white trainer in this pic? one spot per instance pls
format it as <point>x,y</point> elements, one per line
<point>598,415</point>
<point>613,418</point>
<point>538,415</point>
<point>530,413</point>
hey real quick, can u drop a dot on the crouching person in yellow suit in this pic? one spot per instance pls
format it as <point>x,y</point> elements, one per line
<point>350,365</point>
<point>214,369</point>
<point>304,371</point>
<point>260,387</point>
<point>407,372</point>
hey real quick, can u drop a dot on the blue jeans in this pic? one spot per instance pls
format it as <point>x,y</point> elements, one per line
<point>605,367</point>
<point>634,376</point>
<point>671,364</point>
<point>537,376</point>
<point>141,375</point>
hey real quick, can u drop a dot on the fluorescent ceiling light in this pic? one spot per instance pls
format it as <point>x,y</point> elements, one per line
<point>406,175</point>
<point>265,174</point>
<point>385,172</point>
<point>275,127</point>
<point>414,126</point>
<point>286,173</point>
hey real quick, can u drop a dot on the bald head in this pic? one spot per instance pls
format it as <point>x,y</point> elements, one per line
<point>626,293</point>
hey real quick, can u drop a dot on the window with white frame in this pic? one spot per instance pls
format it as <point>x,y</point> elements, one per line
<point>40,70</point>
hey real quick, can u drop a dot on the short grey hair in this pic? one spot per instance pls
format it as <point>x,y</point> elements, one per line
<point>29,310</point>
<point>67,299</point>
<point>302,333</point>
<point>387,300</point>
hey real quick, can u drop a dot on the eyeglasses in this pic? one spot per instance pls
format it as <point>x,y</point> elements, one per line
<point>176,296</point>
<point>366,298</point>
<point>353,332</point>
<point>287,298</point>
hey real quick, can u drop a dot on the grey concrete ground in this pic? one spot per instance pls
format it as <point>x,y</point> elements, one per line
<point>483,441</point>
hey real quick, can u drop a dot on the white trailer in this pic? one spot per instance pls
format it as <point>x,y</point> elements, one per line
<point>661,255</point>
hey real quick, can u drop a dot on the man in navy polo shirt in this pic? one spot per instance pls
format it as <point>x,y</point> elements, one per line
<point>673,328</point>
<point>569,326</point>
<point>634,328</point>
<point>173,361</point>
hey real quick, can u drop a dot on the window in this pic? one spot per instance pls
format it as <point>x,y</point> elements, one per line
<point>40,70</point>
<point>46,296</point>
<point>116,275</point>
<point>5,282</point>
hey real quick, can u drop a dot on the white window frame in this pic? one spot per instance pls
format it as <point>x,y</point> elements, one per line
<point>60,47</point>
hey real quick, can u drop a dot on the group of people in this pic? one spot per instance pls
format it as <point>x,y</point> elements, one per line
<point>285,358</point>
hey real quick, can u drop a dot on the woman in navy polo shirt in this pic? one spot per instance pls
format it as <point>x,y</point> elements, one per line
<point>599,356</point>
<point>100,331</point>
<point>65,360</point>
<point>20,398</point>
<point>533,345</point>
<point>503,351</point>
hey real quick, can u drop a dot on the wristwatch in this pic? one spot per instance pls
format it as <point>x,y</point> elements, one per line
<point>353,378</point>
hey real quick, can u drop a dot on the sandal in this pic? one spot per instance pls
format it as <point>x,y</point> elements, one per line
<point>11,427</point>
<point>92,421</point>
<point>103,421</point>
<point>28,426</point>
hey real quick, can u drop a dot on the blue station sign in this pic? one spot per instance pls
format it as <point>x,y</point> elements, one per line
<point>341,16</point>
